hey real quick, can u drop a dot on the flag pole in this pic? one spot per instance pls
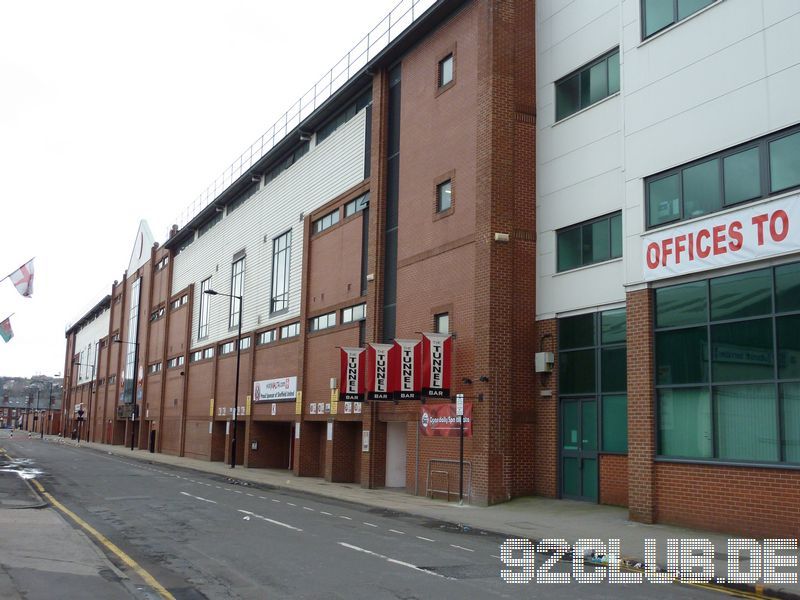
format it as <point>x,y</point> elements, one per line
<point>8,317</point>
<point>15,270</point>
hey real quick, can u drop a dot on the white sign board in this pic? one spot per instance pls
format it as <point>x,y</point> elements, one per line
<point>275,390</point>
<point>751,233</point>
<point>459,405</point>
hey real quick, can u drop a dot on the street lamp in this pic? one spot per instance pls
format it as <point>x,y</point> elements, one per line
<point>238,359</point>
<point>135,385</point>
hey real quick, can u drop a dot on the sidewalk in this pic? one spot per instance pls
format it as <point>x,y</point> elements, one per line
<point>533,518</point>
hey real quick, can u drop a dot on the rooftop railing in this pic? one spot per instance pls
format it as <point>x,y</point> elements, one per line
<point>391,26</point>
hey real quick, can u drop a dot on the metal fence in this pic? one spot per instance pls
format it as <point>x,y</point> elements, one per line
<point>392,25</point>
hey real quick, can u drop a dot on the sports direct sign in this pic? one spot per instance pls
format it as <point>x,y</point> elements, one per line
<point>745,235</point>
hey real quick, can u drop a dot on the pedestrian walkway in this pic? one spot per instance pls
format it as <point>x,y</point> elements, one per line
<point>532,518</point>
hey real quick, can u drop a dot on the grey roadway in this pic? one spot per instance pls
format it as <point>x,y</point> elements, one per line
<point>205,536</point>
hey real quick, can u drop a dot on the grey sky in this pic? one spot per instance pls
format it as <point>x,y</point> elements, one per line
<point>112,112</point>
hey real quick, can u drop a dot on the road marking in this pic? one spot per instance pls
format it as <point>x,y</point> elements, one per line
<point>343,517</point>
<point>291,504</point>
<point>395,531</point>
<point>461,548</point>
<point>108,544</point>
<point>273,521</point>
<point>322,512</point>
<point>251,495</point>
<point>278,501</point>
<point>369,524</point>
<point>419,537</point>
<point>392,560</point>
<point>307,508</point>
<point>237,491</point>
<point>199,498</point>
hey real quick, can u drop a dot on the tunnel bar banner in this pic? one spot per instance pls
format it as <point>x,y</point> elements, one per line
<point>436,358</point>
<point>408,370</point>
<point>381,370</point>
<point>754,232</point>
<point>353,380</point>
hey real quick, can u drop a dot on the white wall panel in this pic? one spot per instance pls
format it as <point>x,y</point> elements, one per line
<point>323,173</point>
<point>86,340</point>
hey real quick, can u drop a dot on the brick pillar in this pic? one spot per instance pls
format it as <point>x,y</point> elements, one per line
<point>545,457</point>
<point>641,406</point>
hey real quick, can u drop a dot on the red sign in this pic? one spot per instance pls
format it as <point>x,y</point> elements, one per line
<point>381,367</point>
<point>407,369</point>
<point>441,420</point>
<point>436,358</point>
<point>353,380</point>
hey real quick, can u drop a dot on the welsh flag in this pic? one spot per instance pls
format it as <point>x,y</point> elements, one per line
<point>5,330</point>
<point>22,279</point>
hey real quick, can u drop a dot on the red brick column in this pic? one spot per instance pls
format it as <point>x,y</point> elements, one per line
<point>641,406</point>
<point>545,458</point>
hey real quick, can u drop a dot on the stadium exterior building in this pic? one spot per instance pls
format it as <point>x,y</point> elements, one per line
<point>596,203</point>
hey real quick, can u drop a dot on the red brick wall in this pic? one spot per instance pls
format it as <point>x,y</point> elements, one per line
<point>641,406</point>
<point>614,479</point>
<point>332,282</point>
<point>273,445</point>
<point>545,456</point>
<point>744,501</point>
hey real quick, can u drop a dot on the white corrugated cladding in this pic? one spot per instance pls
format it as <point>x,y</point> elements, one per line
<point>86,341</point>
<point>326,171</point>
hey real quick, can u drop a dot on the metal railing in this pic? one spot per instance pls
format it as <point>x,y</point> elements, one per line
<point>391,26</point>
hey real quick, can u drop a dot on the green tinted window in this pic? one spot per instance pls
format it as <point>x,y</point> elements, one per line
<point>742,176</point>
<point>613,73</point>
<point>616,236</point>
<point>685,304</point>
<point>784,162</point>
<point>745,422</point>
<point>576,332</point>
<point>742,351</point>
<point>682,356</point>
<point>589,243</point>
<point>569,249</point>
<point>588,85</point>
<point>790,413</point>
<point>657,15</point>
<point>576,372</point>
<point>570,425</point>
<point>589,425</point>
<point>684,418</point>
<point>787,287</point>
<point>568,100</point>
<point>613,370</point>
<point>788,347</point>
<point>664,200</point>
<point>594,84</point>
<point>701,193</point>
<point>689,7</point>
<point>615,423</point>
<point>596,242</point>
<point>613,326</point>
<point>741,295</point>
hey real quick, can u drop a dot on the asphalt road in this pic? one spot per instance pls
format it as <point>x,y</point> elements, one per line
<point>204,536</point>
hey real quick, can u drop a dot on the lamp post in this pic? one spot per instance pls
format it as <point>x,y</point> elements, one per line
<point>238,359</point>
<point>135,386</point>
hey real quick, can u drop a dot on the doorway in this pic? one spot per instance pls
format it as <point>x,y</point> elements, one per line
<point>579,472</point>
<point>396,455</point>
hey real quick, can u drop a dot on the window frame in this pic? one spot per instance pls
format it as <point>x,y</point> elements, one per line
<point>237,289</point>
<point>361,307</point>
<point>325,222</point>
<point>764,170</point>
<point>438,318</point>
<point>675,17</point>
<point>579,74</point>
<point>290,327</point>
<point>441,84</point>
<point>579,226</point>
<point>358,204</point>
<point>283,296</point>
<point>261,339</point>
<point>322,322</point>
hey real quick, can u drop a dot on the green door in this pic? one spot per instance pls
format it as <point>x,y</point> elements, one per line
<point>579,449</point>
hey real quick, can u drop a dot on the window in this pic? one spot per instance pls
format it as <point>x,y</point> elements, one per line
<point>157,314</point>
<point>175,304</point>
<point>244,343</point>
<point>589,242</point>
<point>248,193</point>
<point>326,222</point>
<point>446,70</point>
<point>237,289</point>
<point>726,368</point>
<point>287,162</point>
<point>354,313</point>
<point>659,14</point>
<point>343,117</point>
<point>587,85</point>
<point>205,302</point>
<point>266,337</point>
<point>175,362</point>
<point>154,368</point>
<point>444,196</point>
<point>162,263</point>
<point>208,352</point>
<point>322,322</point>
<point>441,323</point>
<point>356,205</point>
<point>132,335</point>
<point>593,362</point>
<point>741,174</point>
<point>290,331</point>
<point>281,256</point>
<point>112,379</point>
<point>195,356</point>
<point>226,348</point>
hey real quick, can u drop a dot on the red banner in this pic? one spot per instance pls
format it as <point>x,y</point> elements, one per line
<point>381,365</point>
<point>407,371</point>
<point>436,357</point>
<point>441,420</point>
<point>352,370</point>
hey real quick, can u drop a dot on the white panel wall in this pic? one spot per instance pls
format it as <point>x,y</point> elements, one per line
<point>579,159</point>
<point>86,342</point>
<point>323,173</point>
<point>724,76</point>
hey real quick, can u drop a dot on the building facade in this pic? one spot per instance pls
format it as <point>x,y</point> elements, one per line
<point>594,199</point>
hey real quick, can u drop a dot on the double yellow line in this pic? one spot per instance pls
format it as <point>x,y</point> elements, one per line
<point>108,544</point>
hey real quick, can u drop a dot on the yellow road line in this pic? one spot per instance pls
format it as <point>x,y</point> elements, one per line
<point>108,544</point>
